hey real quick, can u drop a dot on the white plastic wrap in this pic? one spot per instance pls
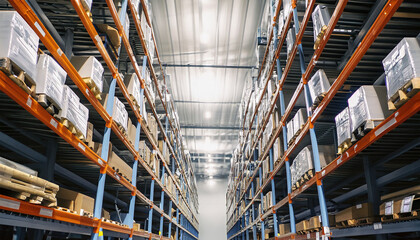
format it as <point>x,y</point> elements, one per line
<point>287,7</point>
<point>320,18</point>
<point>280,23</point>
<point>290,40</point>
<point>133,86</point>
<point>402,64</point>
<point>136,4</point>
<point>87,4</point>
<point>82,118</point>
<point>89,67</point>
<point>290,132</point>
<point>50,78</point>
<point>301,164</point>
<point>299,119</point>
<point>18,42</point>
<point>70,105</point>
<point>318,84</point>
<point>260,51</point>
<point>119,114</point>
<point>368,103</point>
<point>343,125</point>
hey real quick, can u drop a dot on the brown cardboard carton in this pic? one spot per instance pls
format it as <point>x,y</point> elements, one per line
<point>164,153</point>
<point>284,228</point>
<point>131,131</point>
<point>302,225</point>
<point>390,207</point>
<point>120,166</point>
<point>105,214</point>
<point>355,212</point>
<point>75,201</point>
<point>316,221</point>
<point>89,135</point>
<point>136,226</point>
<point>97,148</point>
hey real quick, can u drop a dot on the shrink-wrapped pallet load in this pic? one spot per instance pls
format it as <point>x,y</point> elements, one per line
<point>318,86</point>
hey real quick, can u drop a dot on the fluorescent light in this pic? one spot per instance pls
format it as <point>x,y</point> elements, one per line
<point>207,114</point>
<point>210,159</point>
<point>208,155</point>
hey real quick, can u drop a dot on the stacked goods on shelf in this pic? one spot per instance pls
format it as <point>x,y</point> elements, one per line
<point>153,126</point>
<point>120,166</point>
<point>119,113</point>
<point>284,228</point>
<point>132,83</point>
<point>302,226</point>
<point>401,206</point>
<point>91,70</point>
<point>295,125</point>
<point>75,202</point>
<point>344,134</point>
<point>318,87</point>
<point>302,168</point>
<point>49,80</point>
<point>74,115</point>
<point>110,38</point>
<point>320,17</point>
<point>402,72</point>
<point>147,33</point>
<point>368,108</point>
<point>355,215</point>
<point>312,224</point>
<point>22,182</point>
<point>131,131</point>
<point>268,201</point>
<point>164,150</point>
<point>18,54</point>
<point>290,40</point>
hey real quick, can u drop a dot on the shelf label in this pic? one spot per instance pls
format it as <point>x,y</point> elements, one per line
<point>317,235</point>
<point>385,126</point>
<point>98,39</point>
<point>308,236</point>
<point>80,145</point>
<point>53,122</point>
<point>339,161</point>
<point>46,212</point>
<point>39,28</point>
<point>377,226</point>
<point>29,102</point>
<point>100,162</point>
<point>9,203</point>
<point>59,51</point>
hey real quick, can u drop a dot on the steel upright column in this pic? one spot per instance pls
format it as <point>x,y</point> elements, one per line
<point>97,232</point>
<point>315,150</point>
<point>262,206</point>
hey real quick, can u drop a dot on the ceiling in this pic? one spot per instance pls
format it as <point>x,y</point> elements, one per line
<point>207,48</point>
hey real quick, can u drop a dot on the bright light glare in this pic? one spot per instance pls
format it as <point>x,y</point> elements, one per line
<point>205,87</point>
<point>207,114</point>
<point>204,37</point>
<point>208,155</point>
<point>210,159</point>
<point>211,182</point>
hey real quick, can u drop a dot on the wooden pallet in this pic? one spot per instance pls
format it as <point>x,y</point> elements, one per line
<point>317,101</point>
<point>356,222</point>
<point>404,94</point>
<point>311,230</point>
<point>70,126</point>
<point>136,104</point>
<point>320,36</point>
<point>306,177</point>
<point>344,146</point>
<point>49,104</point>
<point>296,135</point>
<point>27,187</point>
<point>92,85</point>
<point>20,77</point>
<point>65,209</point>
<point>364,128</point>
<point>120,173</point>
<point>401,216</point>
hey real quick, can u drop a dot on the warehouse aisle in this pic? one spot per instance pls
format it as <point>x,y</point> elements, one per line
<point>212,201</point>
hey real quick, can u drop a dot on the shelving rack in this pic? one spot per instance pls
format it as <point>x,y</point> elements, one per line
<point>359,35</point>
<point>69,19</point>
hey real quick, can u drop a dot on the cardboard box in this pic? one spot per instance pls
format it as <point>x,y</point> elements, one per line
<point>89,67</point>
<point>136,226</point>
<point>302,225</point>
<point>119,113</point>
<point>284,228</point>
<point>164,152</point>
<point>120,166</point>
<point>152,124</point>
<point>105,214</point>
<point>316,221</point>
<point>131,131</point>
<point>97,148</point>
<point>132,83</point>
<point>364,210</point>
<point>75,201</point>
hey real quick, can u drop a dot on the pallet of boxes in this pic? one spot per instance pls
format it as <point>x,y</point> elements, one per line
<point>357,215</point>
<point>403,205</point>
<point>313,224</point>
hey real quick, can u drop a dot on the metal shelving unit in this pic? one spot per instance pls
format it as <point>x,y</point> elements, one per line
<point>49,21</point>
<point>357,38</point>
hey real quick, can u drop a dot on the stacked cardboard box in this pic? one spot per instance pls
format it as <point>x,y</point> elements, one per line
<point>131,131</point>
<point>75,201</point>
<point>268,201</point>
<point>163,148</point>
<point>74,111</point>
<point>290,40</point>
<point>318,86</point>
<point>132,83</point>
<point>145,152</point>
<point>119,113</point>
<point>120,166</point>
<point>152,124</point>
<point>320,17</point>
<point>284,228</point>
<point>89,68</point>
<point>359,211</point>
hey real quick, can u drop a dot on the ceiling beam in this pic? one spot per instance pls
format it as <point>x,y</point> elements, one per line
<point>200,102</point>
<point>211,127</point>
<point>207,66</point>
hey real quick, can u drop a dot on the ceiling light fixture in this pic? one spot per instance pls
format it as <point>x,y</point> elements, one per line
<point>207,114</point>
<point>204,37</point>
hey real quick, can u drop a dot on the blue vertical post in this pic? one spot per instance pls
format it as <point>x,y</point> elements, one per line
<point>262,206</point>
<point>98,233</point>
<point>254,227</point>
<point>177,217</point>
<point>315,150</point>
<point>170,220</point>
<point>273,194</point>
